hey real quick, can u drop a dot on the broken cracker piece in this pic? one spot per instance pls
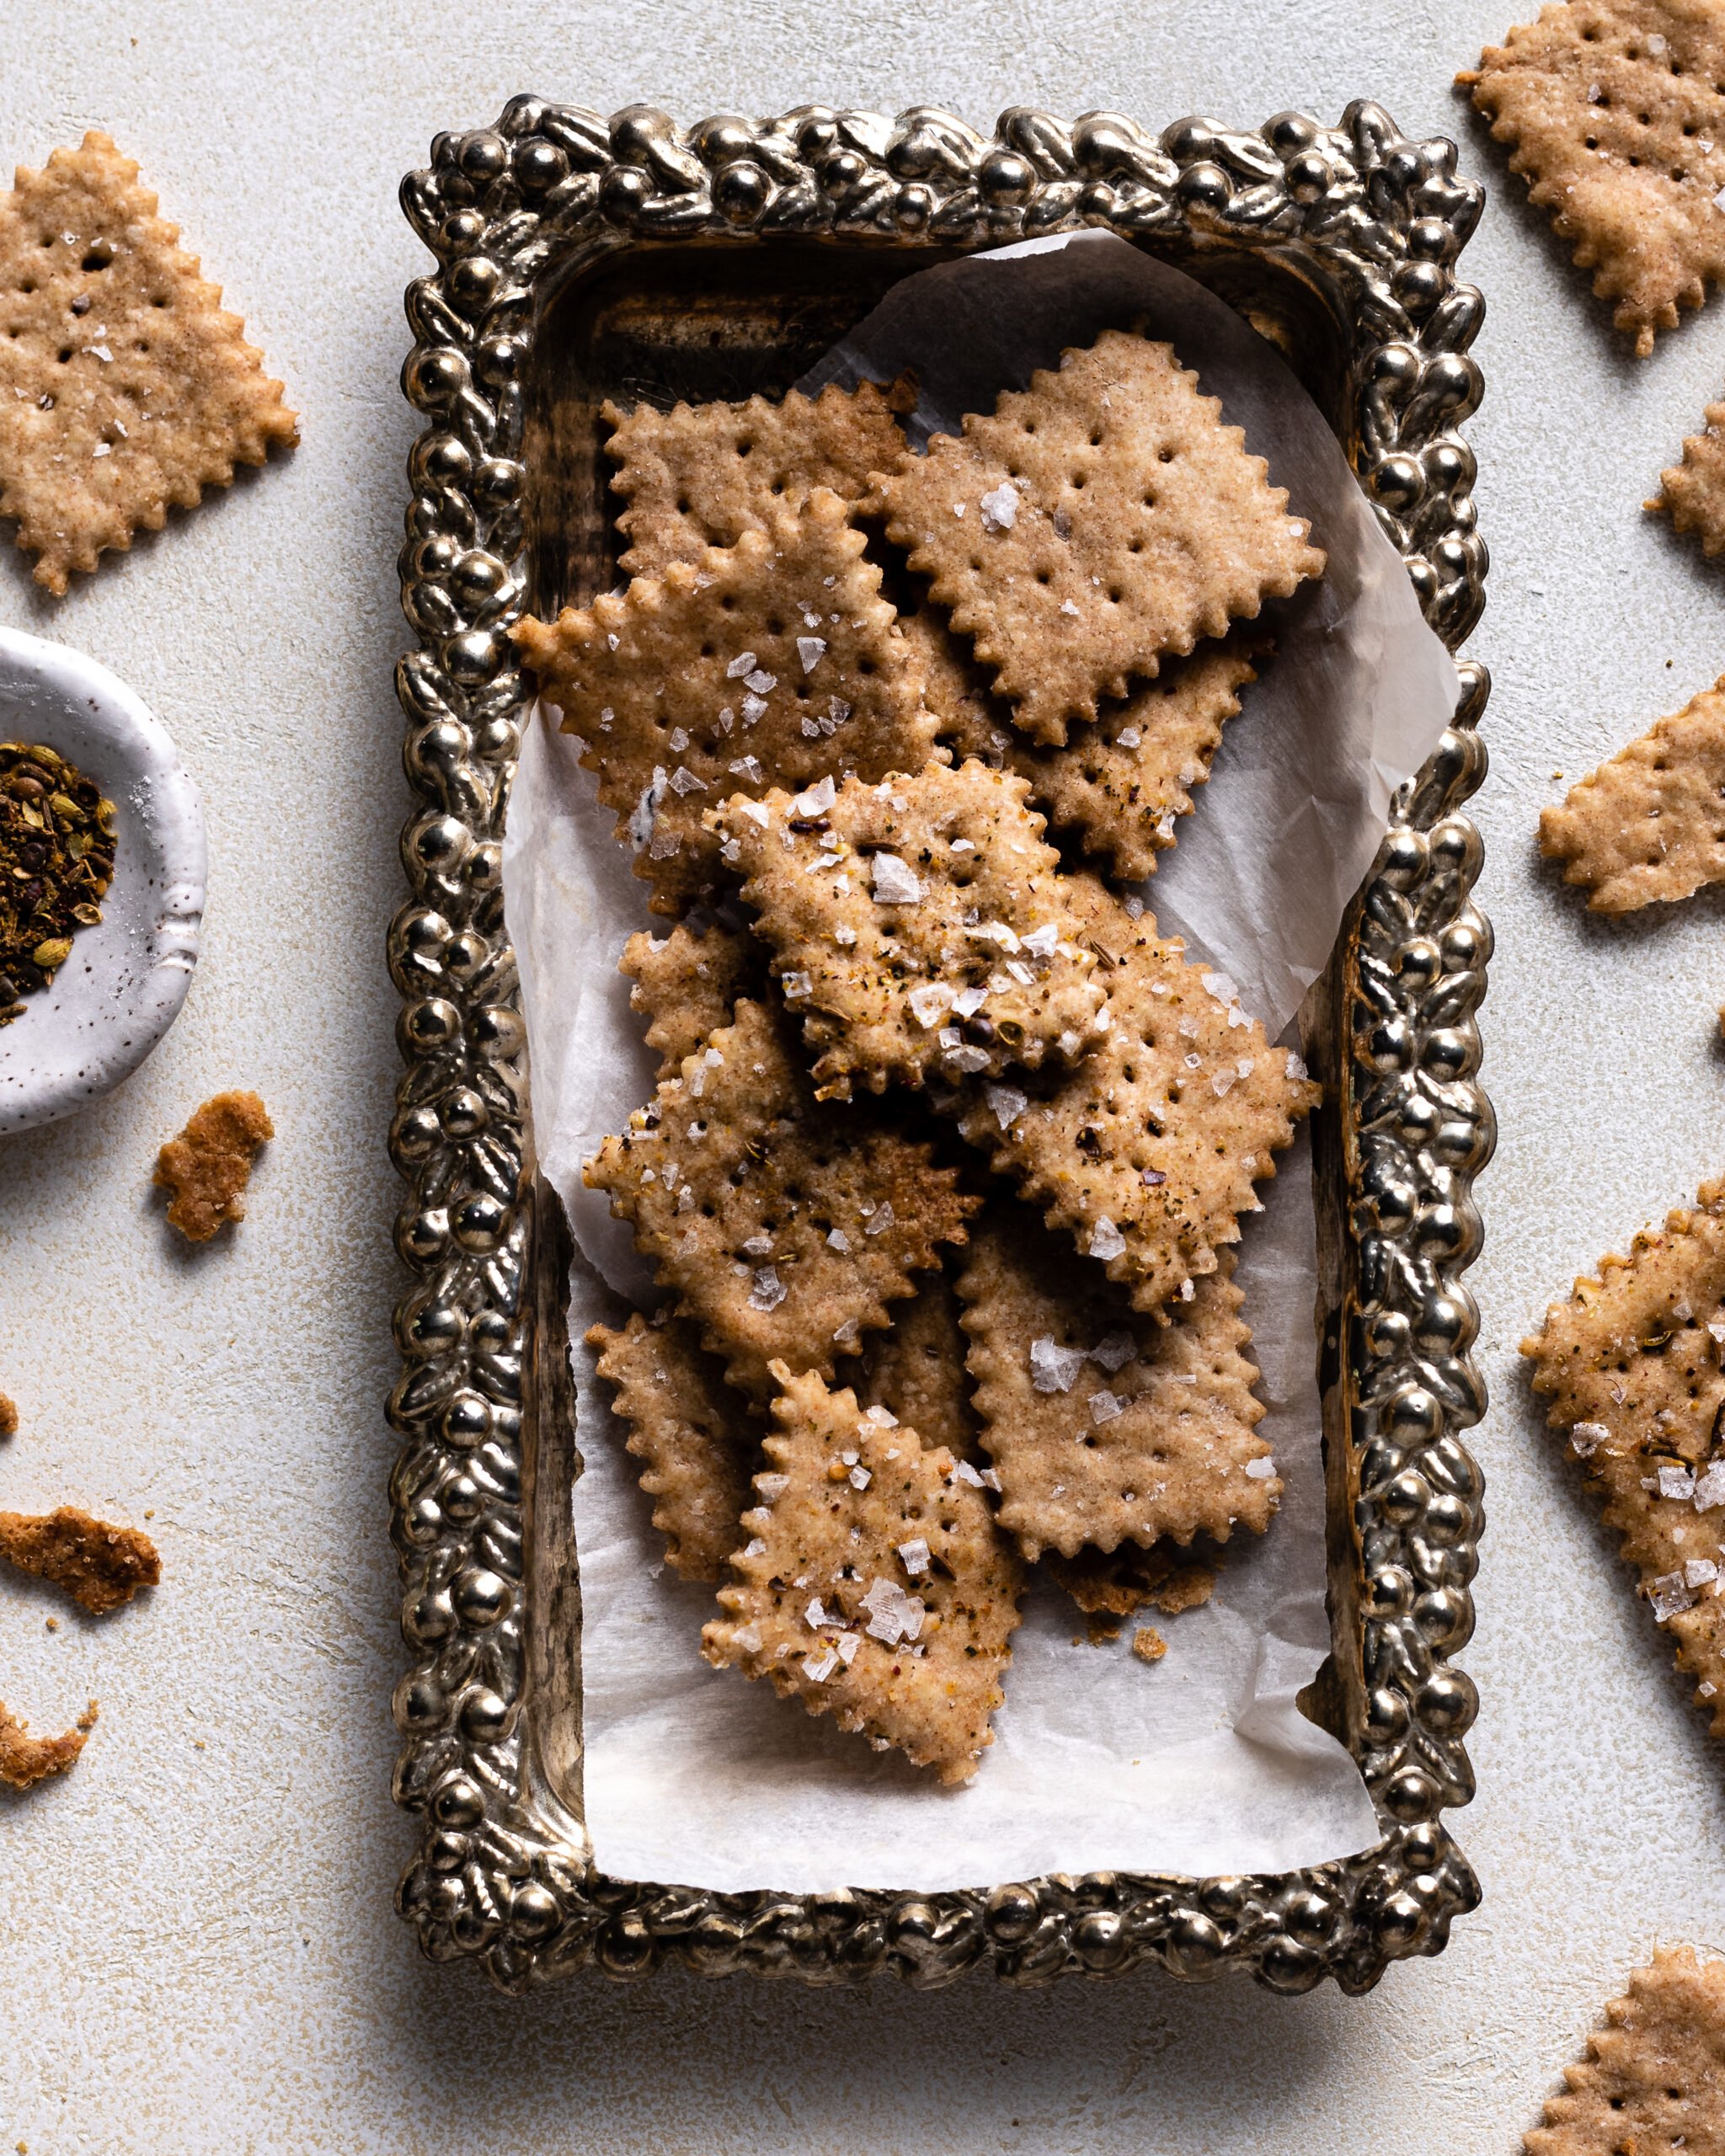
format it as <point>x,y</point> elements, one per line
<point>24,1759</point>
<point>208,1167</point>
<point>969,719</point>
<point>1129,1578</point>
<point>1103,1426</point>
<point>1632,1365</point>
<point>785,1226</point>
<point>1692,494</point>
<point>691,1431</point>
<point>710,681</point>
<point>702,475</point>
<point>916,1369</point>
<point>8,1418</point>
<point>1654,2077</point>
<point>875,1587</point>
<point>1649,824</point>
<point>687,985</point>
<point>918,927</point>
<point>1148,1644</point>
<point>1092,526</point>
<point>125,386</point>
<point>1612,109</point>
<point>98,1565</point>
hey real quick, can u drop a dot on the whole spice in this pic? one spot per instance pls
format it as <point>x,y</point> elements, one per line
<point>56,860</point>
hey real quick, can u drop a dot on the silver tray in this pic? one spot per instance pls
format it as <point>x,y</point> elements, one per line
<point>577,256</point>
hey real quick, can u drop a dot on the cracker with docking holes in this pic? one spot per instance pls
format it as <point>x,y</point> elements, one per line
<point>1116,1583</point>
<point>687,985</point>
<point>1147,1151</point>
<point>918,927</point>
<point>1092,527</point>
<point>1692,494</point>
<point>969,719</point>
<point>205,1169</point>
<point>784,1224</point>
<point>702,475</point>
<point>125,386</point>
<point>874,1586</point>
<point>773,663</point>
<point>692,1433</point>
<point>1654,2076</point>
<point>1613,111</point>
<point>916,1369</point>
<point>25,1759</point>
<point>1649,824</point>
<point>1104,1427</point>
<point>98,1565</point>
<point>1631,1365</point>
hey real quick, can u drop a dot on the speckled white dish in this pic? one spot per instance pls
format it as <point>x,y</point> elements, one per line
<point>127,978</point>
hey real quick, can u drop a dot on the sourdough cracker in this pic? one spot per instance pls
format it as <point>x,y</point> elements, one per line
<point>1613,111</point>
<point>874,1586</point>
<point>686,985</point>
<point>205,1169</point>
<point>1091,527</point>
<point>25,1759</point>
<point>918,927</point>
<point>125,386</point>
<point>1653,2078</point>
<point>1692,494</point>
<point>98,1565</point>
<point>1122,1580</point>
<point>916,1369</point>
<point>969,719</point>
<point>1649,824</point>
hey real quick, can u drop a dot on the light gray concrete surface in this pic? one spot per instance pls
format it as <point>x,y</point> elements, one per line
<point>198,1952</point>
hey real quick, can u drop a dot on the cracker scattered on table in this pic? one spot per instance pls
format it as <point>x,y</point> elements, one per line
<point>1692,494</point>
<point>1092,526</point>
<point>916,1369</point>
<point>1129,1578</point>
<point>687,985</point>
<point>125,386</point>
<point>24,1759</point>
<point>98,1565</point>
<point>1615,114</point>
<point>1148,1644</point>
<point>208,1167</point>
<point>8,1417</point>
<point>702,475</point>
<point>1147,1151</point>
<point>1632,1364</point>
<point>1103,1426</point>
<point>785,1224</point>
<point>918,927</point>
<point>774,662</point>
<point>1654,2078</point>
<point>874,1587</point>
<point>690,1430</point>
<point>1649,824</point>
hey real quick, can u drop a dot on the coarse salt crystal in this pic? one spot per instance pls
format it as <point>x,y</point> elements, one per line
<point>1042,943</point>
<point>860,1478</point>
<point>1710,1488</point>
<point>796,985</point>
<point>1668,1594</point>
<point>1585,1436</point>
<point>1103,1407</point>
<point>760,681</point>
<point>677,740</point>
<point>1134,905</point>
<point>773,1488</point>
<point>893,1614</point>
<point>1067,607</point>
<point>1106,1241</point>
<point>757,811</point>
<point>1719,199</point>
<point>1296,1068</point>
<point>769,1291</point>
<point>964,845</point>
<point>1053,1368</point>
<point>913,1556</point>
<point>1261,1471</point>
<point>814,1616</point>
<point>1113,1351</point>
<point>969,1001</point>
<point>847,1335</point>
<point>810,650</point>
<point>895,884</point>
<point>758,1246</point>
<point>815,800</point>
<point>744,663</point>
<point>1000,507</point>
<point>1220,986</point>
<point>748,767</point>
<point>817,1673</point>
<point>930,1003</point>
<point>684,781</point>
<point>844,933</point>
<point>753,710</point>
<point>881,1221</point>
<point>1006,1103</point>
<point>968,1060</point>
<point>1676,1482</point>
<point>966,1473</point>
<point>1699,1571</point>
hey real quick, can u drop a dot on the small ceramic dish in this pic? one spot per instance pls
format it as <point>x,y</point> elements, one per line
<point>122,988</point>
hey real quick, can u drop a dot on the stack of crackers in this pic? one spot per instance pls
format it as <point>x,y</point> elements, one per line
<point>946,1157</point>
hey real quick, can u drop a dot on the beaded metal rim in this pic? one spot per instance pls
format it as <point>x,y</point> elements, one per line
<point>503,1868</point>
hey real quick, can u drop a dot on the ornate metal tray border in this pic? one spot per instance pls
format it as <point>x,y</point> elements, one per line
<point>502,1871</point>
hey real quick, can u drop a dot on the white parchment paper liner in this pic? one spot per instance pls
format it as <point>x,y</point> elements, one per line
<point>1203,1764</point>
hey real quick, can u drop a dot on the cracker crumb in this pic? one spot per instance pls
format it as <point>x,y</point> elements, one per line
<point>98,1565</point>
<point>24,1759</point>
<point>208,1167</point>
<point>1148,1644</point>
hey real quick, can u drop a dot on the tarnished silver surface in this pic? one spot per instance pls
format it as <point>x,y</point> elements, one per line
<point>1367,225</point>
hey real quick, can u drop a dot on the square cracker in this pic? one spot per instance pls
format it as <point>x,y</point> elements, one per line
<point>691,1432</point>
<point>1615,114</point>
<point>919,926</point>
<point>702,475</point>
<point>125,386</point>
<point>1631,1365</point>
<point>784,1224</point>
<point>1104,1427</point>
<point>1653,2078</point>
<point>1093,526</point>
<point>686,985</point>
<point>1146,1152</point>
<point>1650,823</point>
<point>1692,494</point>
<point>875,1587</point>
<point>916,1369</point>
<point>774,662</point>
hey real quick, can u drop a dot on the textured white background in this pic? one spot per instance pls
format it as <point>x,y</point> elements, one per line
<point>197,1951</point>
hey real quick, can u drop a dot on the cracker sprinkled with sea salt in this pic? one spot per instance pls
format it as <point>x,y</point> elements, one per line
<point>786,1226</point>
<point>687,985</point>
<point>773,663</point>
<point>916,1369</point>
<point>1094,524</point>
<point>24,1759</point>
<point>1632,1365</point>
<point>918,927</point>
<point>1692,494</point>
<point>690,1430</point>
<point>1147,1151</point>
<point>1103,1426</point>
<point>702,475</point>
<point>1613,109</point>
<point>875,1587</point>
<point>969,719</point>
<point>98,1564</point>
<point>125,386</point>
<point>1650,823</point>
<point>1654,2077</point>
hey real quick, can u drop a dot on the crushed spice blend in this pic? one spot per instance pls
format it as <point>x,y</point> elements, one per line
<point>56,860</point>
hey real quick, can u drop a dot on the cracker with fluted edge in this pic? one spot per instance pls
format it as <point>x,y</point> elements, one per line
<point>774,662</point>
<point>98,1564</point>
<point>1692,494</point>
<point>1116,1583</point>
<point>1653,2077</point>
<point>686,985</point>
<point>970,719</point>
<point>916,1369</point>
<point>785,1224</point>
<point>875,1586</point>
<point>25,1759</point>
<point>1092,526</point>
